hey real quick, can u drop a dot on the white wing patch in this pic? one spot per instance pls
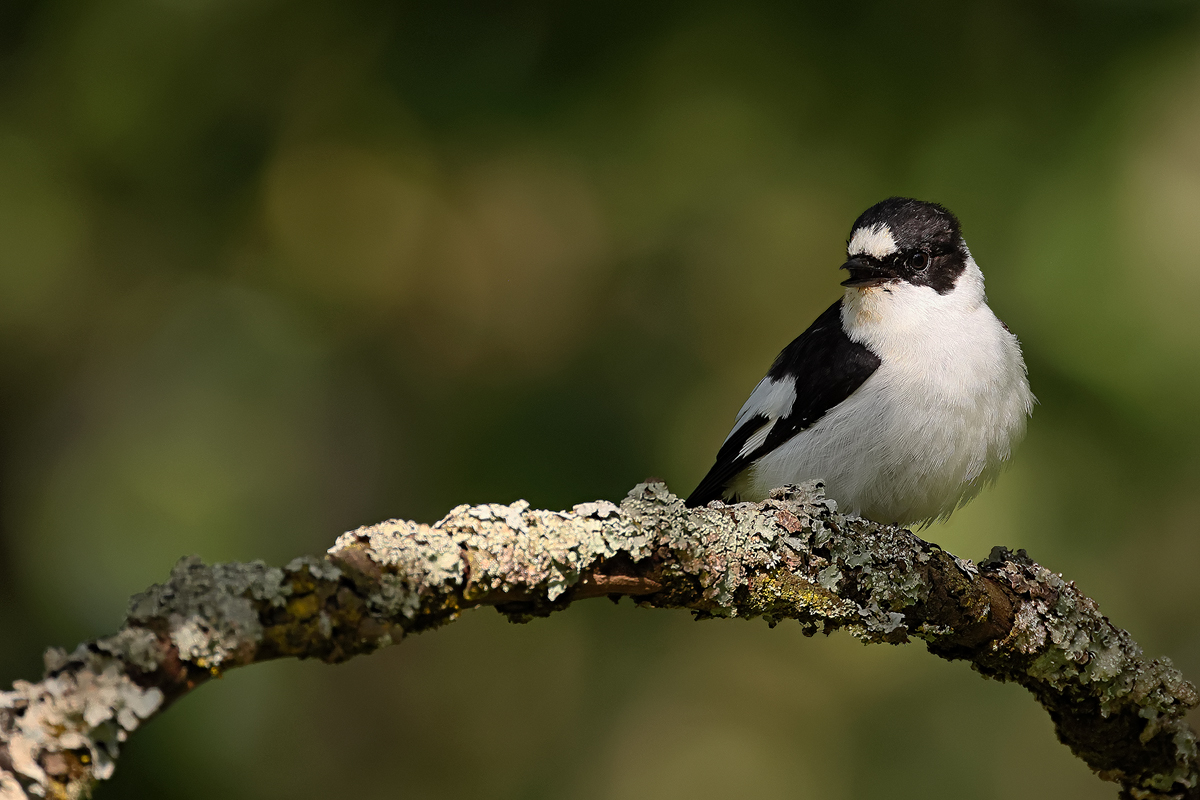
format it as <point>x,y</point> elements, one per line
<point>756,439</point>
<point>875,241</point>
<point>772,399</point>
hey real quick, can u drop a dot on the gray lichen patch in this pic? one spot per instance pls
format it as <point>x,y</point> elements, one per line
<point>1073,643</point>
<point>478,551</point>
<point>1073,649</point>
<point>318,568</point>
<point>63,733</point>
<point>209,611</point>
<point>790,557</point>
<point>722,546</point>
<point>137,646</point>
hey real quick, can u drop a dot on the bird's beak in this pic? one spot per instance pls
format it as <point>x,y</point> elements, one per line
<point>864,273</point>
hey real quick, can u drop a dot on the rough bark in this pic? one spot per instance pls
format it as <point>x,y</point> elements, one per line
<point>790,557</point>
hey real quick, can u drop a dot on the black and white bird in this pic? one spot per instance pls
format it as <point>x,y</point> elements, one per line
<point>906,396</point>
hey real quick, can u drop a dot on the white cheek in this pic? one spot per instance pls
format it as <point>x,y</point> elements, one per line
<point>899,317</point>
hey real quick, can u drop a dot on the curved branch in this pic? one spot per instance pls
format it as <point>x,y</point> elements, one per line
<point>790,557</point>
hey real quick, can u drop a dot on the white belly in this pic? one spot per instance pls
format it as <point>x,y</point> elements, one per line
<point>921,436</point>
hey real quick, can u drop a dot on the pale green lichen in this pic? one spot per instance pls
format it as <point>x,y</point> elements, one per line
<point>210,610</point>
<point>319,568</point>
<point>88,703</point>
<point>1075,649</point>
<point>136,646</point>
<point>791,556</point>
<point>830,577</point>
<point>490,548</point>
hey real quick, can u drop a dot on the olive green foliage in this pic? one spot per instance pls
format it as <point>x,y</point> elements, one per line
<point>270,271</point>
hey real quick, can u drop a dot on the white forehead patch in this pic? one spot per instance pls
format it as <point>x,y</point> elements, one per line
<point>875,241</point>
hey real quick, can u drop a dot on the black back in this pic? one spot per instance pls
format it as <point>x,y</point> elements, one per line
<point>826,366</point>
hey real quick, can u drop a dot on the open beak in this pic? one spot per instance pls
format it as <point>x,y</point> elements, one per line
<point>863,273</point>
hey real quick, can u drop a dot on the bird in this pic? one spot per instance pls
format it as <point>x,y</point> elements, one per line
<point>905,397</point>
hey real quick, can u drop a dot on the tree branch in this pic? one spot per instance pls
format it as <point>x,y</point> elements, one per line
<point>790,557</point>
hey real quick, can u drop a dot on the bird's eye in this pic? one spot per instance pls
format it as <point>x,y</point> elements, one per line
<point>918,260</point>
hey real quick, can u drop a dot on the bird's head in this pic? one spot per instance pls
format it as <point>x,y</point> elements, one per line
<point>902,240</point>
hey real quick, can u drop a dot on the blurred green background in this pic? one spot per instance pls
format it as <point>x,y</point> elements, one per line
<point>269,271</point>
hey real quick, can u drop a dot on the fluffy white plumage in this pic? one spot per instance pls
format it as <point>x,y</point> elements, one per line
<point>906,397</point>
<point>931,426</point>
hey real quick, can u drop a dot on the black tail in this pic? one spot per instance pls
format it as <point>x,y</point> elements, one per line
<point>711,488</point>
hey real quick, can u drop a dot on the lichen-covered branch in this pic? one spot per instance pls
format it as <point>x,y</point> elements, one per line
<point>790,557</point>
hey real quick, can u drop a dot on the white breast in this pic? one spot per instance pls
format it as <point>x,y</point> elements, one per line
<point>931,426</point>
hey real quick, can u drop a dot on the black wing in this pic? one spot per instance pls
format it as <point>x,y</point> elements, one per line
<point>826,367</point>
